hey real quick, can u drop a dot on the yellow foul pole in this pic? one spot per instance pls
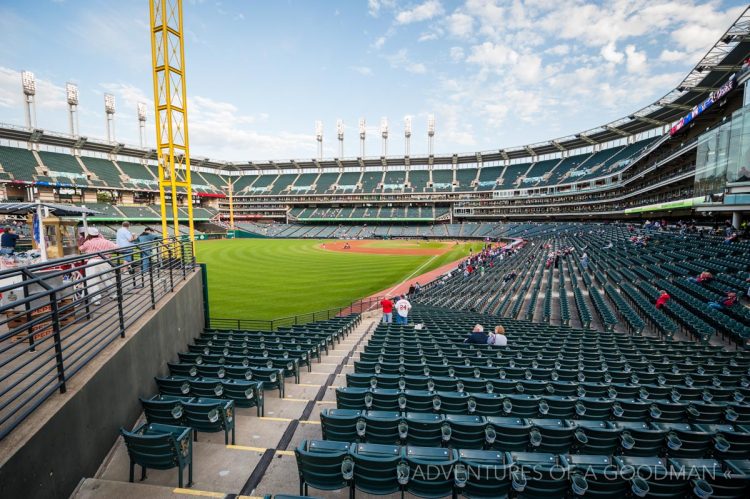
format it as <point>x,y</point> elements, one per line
<point>170,106</point>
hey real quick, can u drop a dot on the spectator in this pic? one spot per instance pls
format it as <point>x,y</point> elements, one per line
<point>417,288</point>
<point>411,290</point>
<point>387,306</point>
<point>148,236</point>
<point>477,336</point>
<point>703,278</point>
<point>8,241</point>
<point>498,339</point>
<point>81,235</point>
<point>125,239</point>
<point>402,310</point>
<point>585,261</point>
<point>726,302</point>
<point>663,298</point>
<point>97,266</point>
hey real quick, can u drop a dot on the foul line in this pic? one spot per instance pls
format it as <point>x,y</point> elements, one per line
<point>390,291</point>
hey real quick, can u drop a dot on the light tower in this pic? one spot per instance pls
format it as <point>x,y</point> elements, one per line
<point>362,131</point>
<point>384,134</point>
<point>28,84</point>
<point>407,135</point>
<point>430,134</point>
<point>142,122</point>
<point>340,134</point>
<point>109,111</point>
<point>319,137</point>
<point>71,92</point>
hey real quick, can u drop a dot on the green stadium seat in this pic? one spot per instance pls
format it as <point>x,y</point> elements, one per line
<point>323,465</point>
<point>483,474</point>
<point>210,415</point>
<point>430,471</point>
<point>165,409</point>
<point>340,424</point>
<point>378,469</point>
<point>162,447</point>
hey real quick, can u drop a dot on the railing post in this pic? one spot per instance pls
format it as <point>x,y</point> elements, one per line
<point>27,307</point>
<point>58,341</point>
<point>151,280</point>
<point>183,261</point>
<point>120,312</point>
<point>171,268</point>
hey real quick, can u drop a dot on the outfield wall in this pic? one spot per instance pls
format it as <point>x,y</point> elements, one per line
<point>69,437</point>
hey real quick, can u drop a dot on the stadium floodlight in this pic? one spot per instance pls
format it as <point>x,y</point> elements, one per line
<point>71,92</point>
<point>407,135</point>
<point>109,111</point>
<point>29,83</point>
<point>141,111</point>
<point>319,137</point>
<point>430,134</point>
<point>384,134</point>
<point>362,133</point>
<point>340,134</point>
<point>109,103</point>
<point>141,106</point>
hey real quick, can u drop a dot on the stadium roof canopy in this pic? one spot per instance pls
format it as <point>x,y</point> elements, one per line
<point>63,210</point>
<point>722,60</point>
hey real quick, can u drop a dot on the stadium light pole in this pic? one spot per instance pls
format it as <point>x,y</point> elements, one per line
<point>109,111</point>
<point>340,134</point>
<point>142,123</point>
<point>407,135</point>
<point>319,137</point>
<point>431,135</point>
<point>28,84</point>
<point>384,134</point>
<point>362,132</point>
<point>71,92</point>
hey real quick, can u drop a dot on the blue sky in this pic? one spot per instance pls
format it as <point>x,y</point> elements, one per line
<point>494,73</point>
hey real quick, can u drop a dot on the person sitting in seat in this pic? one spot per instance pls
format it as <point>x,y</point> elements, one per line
<point>663,298</point>
<point>703,278</point>
<point>477,336</point>
<point>727,302</point>
<point>498,338</point>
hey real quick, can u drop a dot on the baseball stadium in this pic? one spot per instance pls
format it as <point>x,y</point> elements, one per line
<point>566,318</point>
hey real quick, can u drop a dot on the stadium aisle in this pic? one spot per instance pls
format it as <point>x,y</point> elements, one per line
<point>262,459</point>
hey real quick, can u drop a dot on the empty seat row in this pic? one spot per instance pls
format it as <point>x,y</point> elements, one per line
<point>439,472</point>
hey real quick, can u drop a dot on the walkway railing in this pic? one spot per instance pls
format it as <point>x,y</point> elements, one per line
<point>56,317</point>
<point>355,307</point>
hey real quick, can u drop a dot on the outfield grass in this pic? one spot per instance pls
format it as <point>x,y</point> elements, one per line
<point>271,278</point>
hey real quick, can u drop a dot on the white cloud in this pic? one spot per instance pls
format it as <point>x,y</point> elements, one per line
<point>426,37</point>
<point>422,12</point>
<point>491,55</point>
<point>610,54</point>
<point>636,62</point>
<point>561,49</point>
<point>401,60</point>
<point>460,25</point>
<point>457,54</point>
<point>379,42</point>
<point>48,95</point>
<point>363,70</point>
<point>374,6</point>
<point>671,55</point>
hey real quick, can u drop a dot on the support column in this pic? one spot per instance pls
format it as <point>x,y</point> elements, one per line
<point>736,219</point>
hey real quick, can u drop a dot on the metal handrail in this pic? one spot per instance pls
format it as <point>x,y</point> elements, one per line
<point>56,316</point>
<point>355,307</point>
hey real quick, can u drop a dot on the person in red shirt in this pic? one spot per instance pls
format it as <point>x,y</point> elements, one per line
<point>387,305</point>
<point>663,298</point>
<point>727,302</point>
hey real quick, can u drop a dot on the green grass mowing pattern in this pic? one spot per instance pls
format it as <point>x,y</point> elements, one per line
<point>271,278</point>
